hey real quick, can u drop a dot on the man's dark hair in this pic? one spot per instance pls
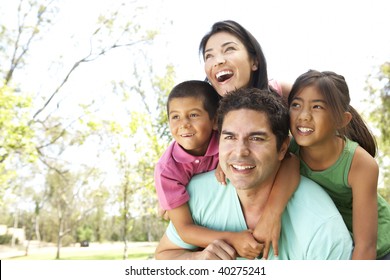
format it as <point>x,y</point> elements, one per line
<point>262,101</point>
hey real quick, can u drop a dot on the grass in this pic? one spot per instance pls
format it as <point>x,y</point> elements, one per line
<point>142,252</point>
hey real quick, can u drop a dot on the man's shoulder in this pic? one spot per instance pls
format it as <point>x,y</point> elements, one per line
<point>308,186</point>
<point>205,185</point>
<point>311,195</point>
<point>203,180</point>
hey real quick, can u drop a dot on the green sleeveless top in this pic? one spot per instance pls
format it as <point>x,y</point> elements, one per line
<point>335,182</point>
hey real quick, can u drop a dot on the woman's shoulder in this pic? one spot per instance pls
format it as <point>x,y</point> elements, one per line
<point>276,86</point>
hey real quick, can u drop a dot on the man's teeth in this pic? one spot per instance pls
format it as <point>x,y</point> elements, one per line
<point>241,167</point>
<point>187,135</point>
<point>305,129</point>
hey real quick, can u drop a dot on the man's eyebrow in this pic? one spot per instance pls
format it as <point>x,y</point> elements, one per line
<point>258,133</point>
<point>226,132</point>
<point>254,133</point>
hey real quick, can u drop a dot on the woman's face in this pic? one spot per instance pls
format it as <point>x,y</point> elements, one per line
<point>228,65</point>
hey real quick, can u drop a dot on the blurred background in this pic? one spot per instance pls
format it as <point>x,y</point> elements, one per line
<point>83,88</point>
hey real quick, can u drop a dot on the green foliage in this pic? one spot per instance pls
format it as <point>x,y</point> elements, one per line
<point>385,193</point>
<point>163,86</point>
<point>15,134</point>
<point>378,85</point>
<point>67,240</point>
<point>5,239</point>
<point>148,228</point>
<point>84,233</point>
<point>37,128</point>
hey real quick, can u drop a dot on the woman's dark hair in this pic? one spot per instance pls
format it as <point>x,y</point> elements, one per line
<point>334,89</point>
<point>260,76</point>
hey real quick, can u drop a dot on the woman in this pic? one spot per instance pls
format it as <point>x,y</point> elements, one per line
<point>234,59</point>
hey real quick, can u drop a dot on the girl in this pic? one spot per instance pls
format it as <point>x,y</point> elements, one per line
<point>337,151</point>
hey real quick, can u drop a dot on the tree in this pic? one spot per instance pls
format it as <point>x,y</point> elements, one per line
<point>48,131</point>
<point>378,85</point>
<point>16,144</point>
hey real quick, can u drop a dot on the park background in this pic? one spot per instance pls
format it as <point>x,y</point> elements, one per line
<point>82,104</point>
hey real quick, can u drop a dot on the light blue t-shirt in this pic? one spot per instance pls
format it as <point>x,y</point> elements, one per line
<point>312,228</point>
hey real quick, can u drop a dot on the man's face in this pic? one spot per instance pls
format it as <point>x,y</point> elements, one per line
<point>247,149</point>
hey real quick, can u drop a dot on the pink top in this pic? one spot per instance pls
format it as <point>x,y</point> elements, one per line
<point>176,167</point>
<point>276,86</point>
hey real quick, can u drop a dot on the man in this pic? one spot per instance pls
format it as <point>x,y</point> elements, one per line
<point>254,127</point>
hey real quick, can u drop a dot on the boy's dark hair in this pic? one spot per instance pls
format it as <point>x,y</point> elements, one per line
<point>197,89</point>
<point>262,101</point>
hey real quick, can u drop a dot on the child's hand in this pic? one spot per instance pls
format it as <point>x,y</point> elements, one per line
<point>246,245</point>
<point>163,213</point>
<point>267,231</point>
<point>220,175</point>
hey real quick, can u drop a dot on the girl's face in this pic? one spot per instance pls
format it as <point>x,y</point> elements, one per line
<point>190,124</point>
<point>311,122</point>
<point>228,65</point>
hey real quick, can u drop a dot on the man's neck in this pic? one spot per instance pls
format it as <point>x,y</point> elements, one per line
<point>253,202</point>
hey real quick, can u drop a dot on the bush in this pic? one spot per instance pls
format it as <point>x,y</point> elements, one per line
<point>5,239</point>
<point>84,233</point>
<point>67,240</point>
<point>115,236</point>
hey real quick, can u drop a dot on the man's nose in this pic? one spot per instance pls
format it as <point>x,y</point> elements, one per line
<point>242,148</point>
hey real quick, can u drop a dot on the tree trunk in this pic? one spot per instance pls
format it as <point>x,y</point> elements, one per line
<point>16,221</point>
<point>59,241</point>
<point>125,250</point>
<point>37,233</point>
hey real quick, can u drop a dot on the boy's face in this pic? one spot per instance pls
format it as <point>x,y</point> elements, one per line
<point>190,124</point>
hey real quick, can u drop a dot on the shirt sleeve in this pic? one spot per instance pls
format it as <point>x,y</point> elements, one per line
<point>331,241</point>
<point>170,188</point>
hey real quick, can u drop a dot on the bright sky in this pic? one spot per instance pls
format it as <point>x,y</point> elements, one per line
<point>348,37</point>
